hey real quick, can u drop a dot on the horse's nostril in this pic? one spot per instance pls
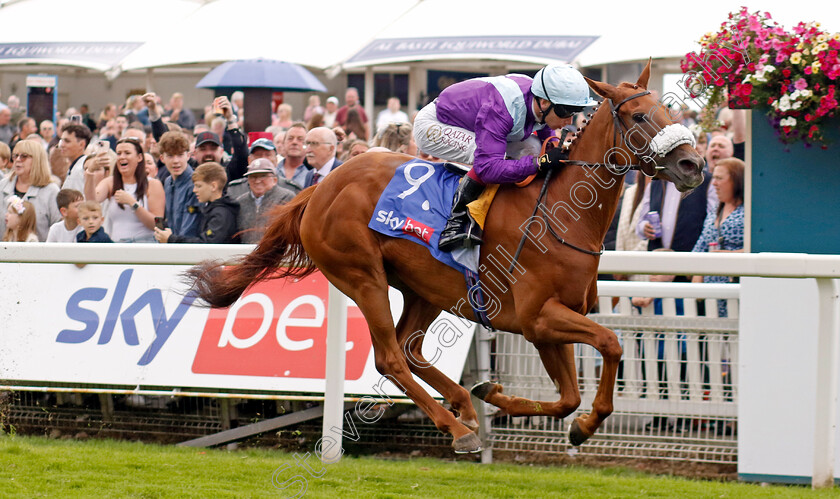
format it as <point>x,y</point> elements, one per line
<point>688,165</point>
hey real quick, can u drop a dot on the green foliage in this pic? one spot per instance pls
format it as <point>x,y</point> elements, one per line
<point>39,467</point>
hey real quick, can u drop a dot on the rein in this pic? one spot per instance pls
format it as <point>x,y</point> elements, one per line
<point>619,129</point>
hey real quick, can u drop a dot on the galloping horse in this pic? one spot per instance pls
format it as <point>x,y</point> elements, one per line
<point>545,297</point>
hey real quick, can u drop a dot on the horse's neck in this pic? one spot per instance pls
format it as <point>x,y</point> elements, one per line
<point>577,184</point>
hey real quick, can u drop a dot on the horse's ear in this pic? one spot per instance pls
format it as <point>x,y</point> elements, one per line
<point>645,76</point>
<point>605,90</point>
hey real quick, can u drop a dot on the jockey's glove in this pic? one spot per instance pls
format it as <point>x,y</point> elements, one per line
<point>552,159</point>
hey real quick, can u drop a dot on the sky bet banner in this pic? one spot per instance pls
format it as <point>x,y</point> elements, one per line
<point>132,325</point>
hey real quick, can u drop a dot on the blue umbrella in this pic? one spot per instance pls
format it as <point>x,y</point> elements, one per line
<point>262,73</point>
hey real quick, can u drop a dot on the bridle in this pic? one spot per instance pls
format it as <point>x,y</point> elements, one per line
<point>619,130</point>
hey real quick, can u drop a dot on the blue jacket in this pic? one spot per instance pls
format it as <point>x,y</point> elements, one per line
<point>98,237</point>
<point>183,214</point>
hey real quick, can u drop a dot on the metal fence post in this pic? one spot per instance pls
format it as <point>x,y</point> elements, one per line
<point>482,353</point>
<point>335,372</point>
<point>828,351</point>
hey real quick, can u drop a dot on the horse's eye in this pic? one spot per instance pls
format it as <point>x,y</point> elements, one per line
<point>638,117</point>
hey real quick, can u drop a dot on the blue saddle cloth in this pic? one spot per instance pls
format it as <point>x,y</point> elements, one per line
<point>416,204</point>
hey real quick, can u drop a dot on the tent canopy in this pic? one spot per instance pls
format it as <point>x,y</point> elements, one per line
<point>186,32</point>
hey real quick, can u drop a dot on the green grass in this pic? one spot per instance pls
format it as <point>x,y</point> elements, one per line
<point>39,467</point>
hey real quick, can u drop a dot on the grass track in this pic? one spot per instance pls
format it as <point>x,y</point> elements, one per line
<point>39,467</point>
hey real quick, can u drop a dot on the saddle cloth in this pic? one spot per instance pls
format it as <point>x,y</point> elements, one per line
<point>416,204</point>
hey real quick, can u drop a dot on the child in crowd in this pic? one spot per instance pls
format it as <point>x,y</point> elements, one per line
<point>65,231</point>
<point>20,222</point>
<point>218,223</point>
<point>90,218</point>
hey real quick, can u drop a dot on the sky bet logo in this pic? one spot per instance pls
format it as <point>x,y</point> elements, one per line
<point>126,313</point>
<point>409,226</point>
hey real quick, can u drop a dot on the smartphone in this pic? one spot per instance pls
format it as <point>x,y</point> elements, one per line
<point>102,146</point>
<point>76,118</point>
<point>160,223</point>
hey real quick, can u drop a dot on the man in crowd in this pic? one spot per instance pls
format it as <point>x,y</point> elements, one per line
<point>330,111</point>
<point>26,127</point>
<point>351,101</point>
<point>263,194</point>
<point>391,115</point>
<point>320,148</point>
<point>7,131</point>
<point>292,167</point>
<point>177,113</point>
<point>261,149</point>
<point>182,208</point>
<point>74,140</point>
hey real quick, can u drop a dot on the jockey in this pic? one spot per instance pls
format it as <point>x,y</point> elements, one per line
<point>482,121</point>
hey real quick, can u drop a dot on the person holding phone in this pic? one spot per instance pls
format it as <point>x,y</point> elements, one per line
<point>74,140</point>
<point>133,199</point>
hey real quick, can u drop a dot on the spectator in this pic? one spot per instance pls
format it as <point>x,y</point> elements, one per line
<point>90,219</point>
<point>64,231</point>
<point>313,108</point>
<point>351,101</point>
<point>183,212</point>
<point>122,123</point>
<point>177,113</point>
<point>20,221</point>
<point>58,164</point>
<point>151,165</point>
<point>133,199</point>
<point>74,141</point>
<point>207,144</point>
<point>237,100</point>
<point>724,225</point>
<point>626,237</point>
<point>7,131</point>
<point>107,114</point>
<point>18,112</point>
<point>292,166</point>
<point>279,137</point>
<point>260,149</point>
<point>320,154</point>
<point>395,137</point>
<point>87,120</point>
<point>391,114</point>
<point>219,212</point>
<point>330,112</point>
<point>30,180</point>
<point>263,195</point>
<point>5,160</point>
<point>136,110</point>
<point>26,127</point>
<point>284,116</point>
<point>354,148</point>
<point>47,131</point>
<point>354,126</point>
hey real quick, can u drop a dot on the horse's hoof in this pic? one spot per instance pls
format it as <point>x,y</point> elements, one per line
<point>483,389</point>
<point>468,444</point>
<point>472,424</point>
<point>576,434</point>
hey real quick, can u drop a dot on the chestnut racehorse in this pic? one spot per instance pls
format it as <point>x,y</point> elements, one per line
<point>545,298</point>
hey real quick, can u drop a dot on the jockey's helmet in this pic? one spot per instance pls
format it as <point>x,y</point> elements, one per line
<point>563,85</point>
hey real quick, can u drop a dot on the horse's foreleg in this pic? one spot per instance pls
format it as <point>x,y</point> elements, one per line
<point>558,324</point>
<point>417,315</point>
<point>559,362</point>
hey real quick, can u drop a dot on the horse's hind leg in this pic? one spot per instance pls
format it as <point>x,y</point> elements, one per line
<point>369,290</point>
<point>417,315</point>
<point>559,362</point>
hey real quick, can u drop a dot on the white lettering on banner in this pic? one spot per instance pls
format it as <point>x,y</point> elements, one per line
<point>415,183</point>
<point>286,320</point>
<point>389,219</point>
<point>228,336</point>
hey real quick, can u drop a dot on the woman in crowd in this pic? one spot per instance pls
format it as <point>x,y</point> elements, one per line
<point>284,116</point>
<point>133,199</point>
<point>396,137</point>
<point>313,108</point>
<point>354,127</point>
<point>724,227</point>
<point>20,222</point>
<point>30,180</point>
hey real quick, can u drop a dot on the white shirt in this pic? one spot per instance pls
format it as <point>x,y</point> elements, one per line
<point>324,170</point>
<point>385,117</point>
<point>59,233</point>
<point>76,178</point>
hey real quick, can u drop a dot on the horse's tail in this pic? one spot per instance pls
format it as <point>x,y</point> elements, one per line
<point>219,284</point>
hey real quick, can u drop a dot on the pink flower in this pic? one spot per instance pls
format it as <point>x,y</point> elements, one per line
<point>800,84</point>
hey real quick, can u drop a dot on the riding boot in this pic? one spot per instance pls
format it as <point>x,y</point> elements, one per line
<point>461,229</point>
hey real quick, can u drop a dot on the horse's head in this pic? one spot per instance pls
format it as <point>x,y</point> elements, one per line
<point>645,134</point>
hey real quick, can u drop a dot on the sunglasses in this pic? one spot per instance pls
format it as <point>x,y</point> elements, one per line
<point>21,156</point>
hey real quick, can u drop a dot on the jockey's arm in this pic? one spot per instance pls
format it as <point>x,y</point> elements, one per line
<point>489,163</point>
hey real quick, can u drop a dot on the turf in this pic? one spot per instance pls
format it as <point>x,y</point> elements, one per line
<point>40,467</point>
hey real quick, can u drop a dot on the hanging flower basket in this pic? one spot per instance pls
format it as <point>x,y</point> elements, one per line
<point>751,61</point>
